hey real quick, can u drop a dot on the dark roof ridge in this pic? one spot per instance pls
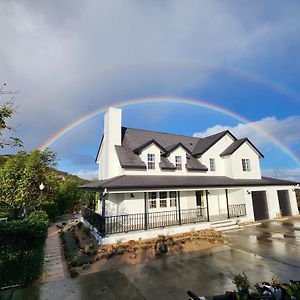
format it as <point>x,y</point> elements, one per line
<point>216,136</point>
<point>152,141</point>
<point>236,145</point>
<point>187,136</point>
<point>175,146</point>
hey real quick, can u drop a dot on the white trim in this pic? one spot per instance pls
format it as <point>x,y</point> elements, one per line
<point>250,188</point>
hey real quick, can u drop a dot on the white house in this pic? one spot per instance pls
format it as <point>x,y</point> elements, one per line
<point>154,183</point>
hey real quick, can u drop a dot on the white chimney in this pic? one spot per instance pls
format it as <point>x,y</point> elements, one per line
<point>110,166</point>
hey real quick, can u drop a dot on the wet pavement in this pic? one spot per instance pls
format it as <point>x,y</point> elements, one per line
<point>271,248</point>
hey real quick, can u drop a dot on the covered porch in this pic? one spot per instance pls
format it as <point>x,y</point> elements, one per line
<point>142,210</point>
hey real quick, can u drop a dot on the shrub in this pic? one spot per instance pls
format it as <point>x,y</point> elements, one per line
<point>52,210</point>
<point>22,249</point>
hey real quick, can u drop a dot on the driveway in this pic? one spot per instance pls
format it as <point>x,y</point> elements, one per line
<point>261,251</point>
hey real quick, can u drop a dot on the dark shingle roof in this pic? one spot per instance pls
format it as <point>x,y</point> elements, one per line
<point>237,144</point>
<point>165,164</point>
<point>127,182</point>
<point>193,164</point>
<point>205,143</point>
<point>135,140</point>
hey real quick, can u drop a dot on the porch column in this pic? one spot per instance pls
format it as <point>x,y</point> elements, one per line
<point>146,211</point>
<point>103,215</point>
<point>207,208</point>
<point>99,202</point>
<point>179,212</point>
<point>227,202</point>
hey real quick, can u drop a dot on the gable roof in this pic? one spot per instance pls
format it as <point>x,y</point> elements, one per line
<point>139,149</point>
<point>135,140</point>
<point>170,149</point>
<point>206,143</point>
<point>237,144</point>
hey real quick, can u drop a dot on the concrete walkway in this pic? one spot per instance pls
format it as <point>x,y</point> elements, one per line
<point>54,267</point>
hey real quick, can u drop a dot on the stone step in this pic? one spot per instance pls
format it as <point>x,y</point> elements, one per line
<point>227,228</point>
<point>223,224</point>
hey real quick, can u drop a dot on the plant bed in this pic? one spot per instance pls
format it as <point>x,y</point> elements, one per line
<point>80,247</point>
<point>141,251</point>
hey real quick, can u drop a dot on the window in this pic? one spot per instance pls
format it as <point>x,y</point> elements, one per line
<point>172,199</point>
<point>212,164</point>
<point>152,199</point>
<point>246,165</point>
<point>178,163</point>
<point>151,161</point>
<point>162,199</point>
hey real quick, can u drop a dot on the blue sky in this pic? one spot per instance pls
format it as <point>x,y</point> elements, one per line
<point>70,58</point>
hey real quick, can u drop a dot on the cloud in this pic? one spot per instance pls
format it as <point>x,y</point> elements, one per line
<point>87,174</point>
<point>284,130</point>
<point>70,58</point>
<point>287,174</point>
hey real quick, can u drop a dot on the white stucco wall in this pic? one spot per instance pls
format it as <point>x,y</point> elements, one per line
<point>151,149</point>
<point>214,152</point>
<point>245,152</point>
<point>293,201</point>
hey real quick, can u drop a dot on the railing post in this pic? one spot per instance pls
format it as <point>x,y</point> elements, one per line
<point>227,202</point>
<point>103,216</point>
<point>179,212</point>
<point>207,208</point>
<point>146,211</point>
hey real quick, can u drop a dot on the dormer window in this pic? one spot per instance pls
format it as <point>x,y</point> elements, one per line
<point>212,164</point>
<point>178,162</point>
<point>246,165</point>
<point>151,161</point>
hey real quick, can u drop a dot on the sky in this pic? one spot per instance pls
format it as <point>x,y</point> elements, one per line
<point>68,59</point>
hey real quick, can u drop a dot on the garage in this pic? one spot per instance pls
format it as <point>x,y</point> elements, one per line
<point>260,205</point>
<point>284,203</point>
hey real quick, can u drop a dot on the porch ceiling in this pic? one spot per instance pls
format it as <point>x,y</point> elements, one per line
<point>141,182</point>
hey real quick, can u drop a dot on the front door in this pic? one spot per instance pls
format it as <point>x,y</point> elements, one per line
<point>199,200</point>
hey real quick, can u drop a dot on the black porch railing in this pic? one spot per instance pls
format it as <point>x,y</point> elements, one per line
<point>134,222</point>
<point>237,210</point>
<point>93,218</point>
<point>142,221</point>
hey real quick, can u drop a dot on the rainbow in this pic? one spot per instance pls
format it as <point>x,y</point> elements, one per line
<point>150,100</point>
<point>95,72</point>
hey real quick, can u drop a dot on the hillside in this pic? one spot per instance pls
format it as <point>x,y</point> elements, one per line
<point>61,174</point>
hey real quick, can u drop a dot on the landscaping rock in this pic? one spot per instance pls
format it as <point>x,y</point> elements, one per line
<point>86,266</point>
<point>73,273</point>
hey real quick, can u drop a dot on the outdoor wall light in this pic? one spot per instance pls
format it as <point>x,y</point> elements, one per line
<point>131,195</point>
<point>248,192</point>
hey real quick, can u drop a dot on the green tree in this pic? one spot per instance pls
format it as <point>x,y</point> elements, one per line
<point>7,110</point>
<point>21,175</point>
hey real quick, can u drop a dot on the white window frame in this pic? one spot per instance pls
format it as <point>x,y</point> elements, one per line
<point>246,165</point>
<point>178,162</point>
<point>152,200</point>
<point>212,164</point>
<point>151,161</point>
<point>163,196</point>
<point>173,198</point>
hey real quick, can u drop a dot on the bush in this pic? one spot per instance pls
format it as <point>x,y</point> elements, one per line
<point>52,210</point>
<point>22,249</point>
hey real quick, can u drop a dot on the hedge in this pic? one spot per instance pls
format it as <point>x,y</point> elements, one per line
<point>22,249</point>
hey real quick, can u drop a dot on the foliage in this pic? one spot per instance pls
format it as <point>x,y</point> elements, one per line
<point>66,195</point>
<point>21,175</point>
<point>51,209</point>
<point>72,250</point>
<point>7,110</point>
<point>241,280</point>
<point>21,246</point>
